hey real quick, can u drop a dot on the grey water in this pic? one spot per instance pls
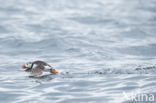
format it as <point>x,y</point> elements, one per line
<point>104,50</point>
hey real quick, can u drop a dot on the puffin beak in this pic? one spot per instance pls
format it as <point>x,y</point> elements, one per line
<point>54,71</point>
<point>23,66</point>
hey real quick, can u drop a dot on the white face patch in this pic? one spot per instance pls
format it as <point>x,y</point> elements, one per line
<point>28,65</point>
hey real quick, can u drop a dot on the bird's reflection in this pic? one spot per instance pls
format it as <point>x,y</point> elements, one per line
<point>39,79</point>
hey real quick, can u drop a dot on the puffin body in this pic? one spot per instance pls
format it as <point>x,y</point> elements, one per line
<point>37,68</point>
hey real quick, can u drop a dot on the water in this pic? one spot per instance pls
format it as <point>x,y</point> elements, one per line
<point>103,49</point>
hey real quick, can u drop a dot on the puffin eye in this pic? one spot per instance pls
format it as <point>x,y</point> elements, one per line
<point>28,63</point>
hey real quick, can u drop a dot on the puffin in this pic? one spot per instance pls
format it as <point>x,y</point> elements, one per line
<point>37,68</point>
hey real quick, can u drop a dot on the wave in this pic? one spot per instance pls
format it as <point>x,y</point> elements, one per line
<point>137,70</point>
<point>13,42</point>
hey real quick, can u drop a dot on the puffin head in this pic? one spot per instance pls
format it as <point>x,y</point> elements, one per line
<point>27,65</point>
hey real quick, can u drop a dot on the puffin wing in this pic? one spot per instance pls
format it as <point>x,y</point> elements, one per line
<point>40,63</point>
<point>37,71</point>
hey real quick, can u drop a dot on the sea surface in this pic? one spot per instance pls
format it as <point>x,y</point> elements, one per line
<point>104,50</point>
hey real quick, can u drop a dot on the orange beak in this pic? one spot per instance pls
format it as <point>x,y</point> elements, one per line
<point>23,66</point>
<point>54,71</point>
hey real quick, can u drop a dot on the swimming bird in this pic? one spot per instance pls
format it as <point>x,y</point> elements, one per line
<point>37,68</point>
